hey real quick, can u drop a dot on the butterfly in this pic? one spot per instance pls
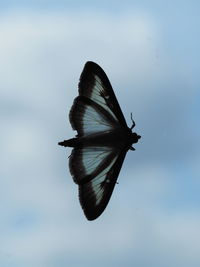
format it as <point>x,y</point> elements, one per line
<point>102,141</point>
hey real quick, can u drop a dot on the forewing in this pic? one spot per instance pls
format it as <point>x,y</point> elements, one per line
<point>94,85</point>
<point>95,170</point>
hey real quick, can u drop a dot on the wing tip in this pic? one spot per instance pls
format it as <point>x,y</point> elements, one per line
<point>91,64</point>
<point>90,212</point>
<point>91,216</point>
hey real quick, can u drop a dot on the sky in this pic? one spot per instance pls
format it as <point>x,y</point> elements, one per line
<point>150,52</point>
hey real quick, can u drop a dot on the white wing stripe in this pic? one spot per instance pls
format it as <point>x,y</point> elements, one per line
<point>92,121</point>
<point>96,183</point>
<point>98,95</point>
<point>90,161</point>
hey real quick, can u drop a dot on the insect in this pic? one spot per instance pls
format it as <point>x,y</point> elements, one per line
<point>102,141</point>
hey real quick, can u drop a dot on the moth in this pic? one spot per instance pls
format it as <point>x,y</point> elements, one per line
<point>102,141</point>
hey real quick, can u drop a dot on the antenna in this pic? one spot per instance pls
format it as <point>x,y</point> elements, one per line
<point>133,125</point>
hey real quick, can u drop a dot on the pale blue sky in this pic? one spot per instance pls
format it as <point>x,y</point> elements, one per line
<point>150,51</point>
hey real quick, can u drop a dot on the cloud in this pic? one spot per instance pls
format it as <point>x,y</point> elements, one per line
<point>42,223</point>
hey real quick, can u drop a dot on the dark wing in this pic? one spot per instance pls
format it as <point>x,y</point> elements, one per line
<point>95,170</point>
<point>96,109</point>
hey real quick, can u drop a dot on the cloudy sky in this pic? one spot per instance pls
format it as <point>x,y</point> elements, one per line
<point>150,52</point>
